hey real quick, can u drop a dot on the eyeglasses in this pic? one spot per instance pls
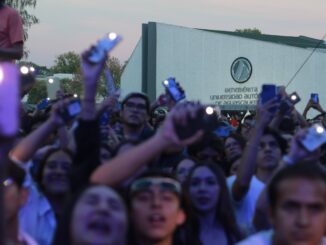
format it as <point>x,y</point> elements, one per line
<point>135,105</point>
<point>165,184</point>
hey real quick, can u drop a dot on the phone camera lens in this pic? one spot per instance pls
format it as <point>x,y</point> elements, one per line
<point>166,82</point>
<point>320,129</point>
<point>209,110</point>
<point>293,97</point>
<point>112,35</point>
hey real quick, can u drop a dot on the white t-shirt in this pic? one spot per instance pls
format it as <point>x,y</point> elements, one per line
<point>245,209</point>
<point>264,238</point>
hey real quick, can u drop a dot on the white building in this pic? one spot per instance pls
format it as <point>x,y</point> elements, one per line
<point>224,68</point>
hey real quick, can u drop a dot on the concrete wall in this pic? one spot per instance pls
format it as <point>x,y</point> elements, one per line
<point>131,79</point>
<point>201,61</point>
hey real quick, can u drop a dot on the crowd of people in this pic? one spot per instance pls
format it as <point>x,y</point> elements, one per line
<point>128,171</point>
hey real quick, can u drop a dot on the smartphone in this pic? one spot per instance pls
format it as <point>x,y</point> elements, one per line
<point>206,119</point>
<point>9,99</point>
<point>103,46</point>
<point>71,111</point>
<point>269,91</point>
<point>175,90</point>
<point>314,97</point>
<point>315,137</point>
<point>289,102</point>
<point>43,104</point>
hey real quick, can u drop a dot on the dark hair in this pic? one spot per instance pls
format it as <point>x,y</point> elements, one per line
<point>62,234</point>
<point>137,95</point>
<point>306,170</point>
<point>209,140</point>
<point>282,143</point>
<point>224,213</point>
<point>185,234</point>
<point>239,138</point>
<point>174,169</point>
<point>40,169</point>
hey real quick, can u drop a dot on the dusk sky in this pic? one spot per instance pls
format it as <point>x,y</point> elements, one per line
<point>73,25</point>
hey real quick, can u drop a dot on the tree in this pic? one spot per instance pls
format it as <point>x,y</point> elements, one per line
<point>253,31</point>
<point>37,93</point>
<point>70,63</point>
<point>67,63</point>
<point>28,19</point>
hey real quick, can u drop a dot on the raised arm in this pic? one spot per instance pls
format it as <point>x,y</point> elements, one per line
<point>26,148</point>
<point>296,153</point>
<point>125,165</point>
<point>247,165</point>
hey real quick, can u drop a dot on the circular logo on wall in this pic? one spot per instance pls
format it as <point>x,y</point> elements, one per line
<point>241,70</point>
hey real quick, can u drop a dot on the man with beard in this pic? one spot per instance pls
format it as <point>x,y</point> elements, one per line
<point>11,33</point>
<point>134,115</point>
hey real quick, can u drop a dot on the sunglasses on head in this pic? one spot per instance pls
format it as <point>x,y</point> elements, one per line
<point>165,184</point>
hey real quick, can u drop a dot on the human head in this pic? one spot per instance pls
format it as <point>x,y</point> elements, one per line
<point>247,125</point>
<point>52,175</point>
<point>94,215</point>
<point>155,201</point>
<point>99,217</point>
<point>209,148</point>
<point>206,186</point>
<point>297,197</point>
<point>15,195</point>
<point>271,148</point>
<point>233,147</point>
<point>183,168</point>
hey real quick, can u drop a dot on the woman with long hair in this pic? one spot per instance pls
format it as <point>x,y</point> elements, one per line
<point>207,190</point>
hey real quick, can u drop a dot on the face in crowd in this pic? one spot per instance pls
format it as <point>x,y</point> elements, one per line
<point>99,217</point>
<point>269,152</point>
<point>183,169</point>
<point>298,212</point>
<point>232,148</point>
<point>155,208</point>
<point>204,189</point>
<point>247,126</point>
<point>54,175</point>
<point>134,112</point>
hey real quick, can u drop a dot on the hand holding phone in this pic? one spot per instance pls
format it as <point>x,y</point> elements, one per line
<point>71,110</point>
<point>103,46</point>
<point>289,102</point>
<point>315,137</point>
<point>314,98</point>
<point>269,92</point>
<point>206,119</point>
<point>174,89</point>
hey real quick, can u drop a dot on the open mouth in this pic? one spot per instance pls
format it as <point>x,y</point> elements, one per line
<point>156,220</point>
<point>100,227</point>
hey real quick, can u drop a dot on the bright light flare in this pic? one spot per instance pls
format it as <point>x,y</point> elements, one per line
<point>75,96</point>
<point>320,129</point>
<point>293,97</point>
<point>209,110</point>
<point>166,82</point>
<point>51,80</point>
<point>112,35</point>
<point>24,70</point>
